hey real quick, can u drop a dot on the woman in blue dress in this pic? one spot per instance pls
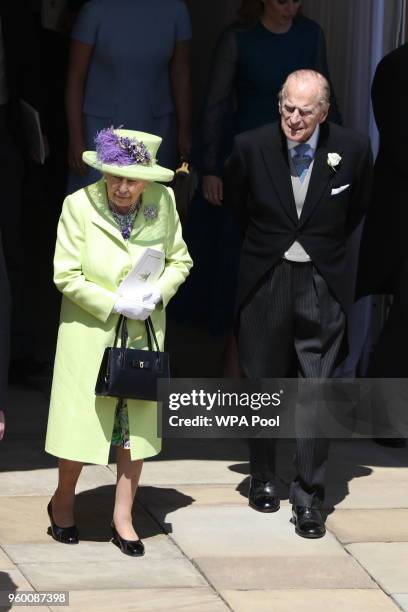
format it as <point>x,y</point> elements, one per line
<point>253,59</point>
<point>254,56</point>
<point>129,66</point>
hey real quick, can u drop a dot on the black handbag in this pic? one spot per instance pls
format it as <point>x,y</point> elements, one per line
<point>128,373</point>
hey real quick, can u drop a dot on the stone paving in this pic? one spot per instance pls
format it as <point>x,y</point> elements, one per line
<point>206,550</point>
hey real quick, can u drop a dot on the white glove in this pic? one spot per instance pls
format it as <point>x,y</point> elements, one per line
<point>133,309</point>
<point>150,297</point>
<point>138,295</point>
<point>154,296</point>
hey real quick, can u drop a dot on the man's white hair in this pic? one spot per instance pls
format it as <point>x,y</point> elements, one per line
<point>309,75</point>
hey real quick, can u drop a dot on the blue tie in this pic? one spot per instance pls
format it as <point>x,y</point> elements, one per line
<point>302,159</point>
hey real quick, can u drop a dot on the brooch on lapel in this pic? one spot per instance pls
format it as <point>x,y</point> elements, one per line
<point>333,160</point>
<point>150,212</point>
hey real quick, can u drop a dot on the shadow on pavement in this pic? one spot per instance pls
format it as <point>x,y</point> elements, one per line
<point>7,587</point>
<point>94,510</point>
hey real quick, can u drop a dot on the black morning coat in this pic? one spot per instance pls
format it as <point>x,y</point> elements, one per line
<point>259,190</point>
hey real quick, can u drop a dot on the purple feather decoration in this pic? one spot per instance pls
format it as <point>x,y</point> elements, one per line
<point>120,151</point>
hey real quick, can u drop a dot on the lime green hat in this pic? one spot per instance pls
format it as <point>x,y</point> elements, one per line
<point>129,154</point>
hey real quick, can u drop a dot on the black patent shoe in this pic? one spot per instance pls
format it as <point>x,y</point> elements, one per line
<point>133,548</point>
<point>308,522</point>
<point>65,535</point>
<point>262,496</point>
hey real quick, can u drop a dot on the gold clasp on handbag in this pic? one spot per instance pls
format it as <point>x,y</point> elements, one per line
<point>140,365</point>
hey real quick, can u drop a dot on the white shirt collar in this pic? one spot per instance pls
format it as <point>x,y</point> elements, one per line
<point>312,142</point>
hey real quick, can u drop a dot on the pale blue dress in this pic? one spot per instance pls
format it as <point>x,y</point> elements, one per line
<point>128,81</point>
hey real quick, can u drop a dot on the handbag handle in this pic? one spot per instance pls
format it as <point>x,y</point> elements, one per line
<point>121,329</point>
<point>149,323</point>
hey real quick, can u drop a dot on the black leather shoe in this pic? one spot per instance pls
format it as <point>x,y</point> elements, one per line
<point>262,496</point>
<point>65,535</point>
<point>133,548</point>
<point>391,442</point>
<point>308,522</point>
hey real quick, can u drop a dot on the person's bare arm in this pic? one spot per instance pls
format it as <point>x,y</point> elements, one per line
<point>181,86</point>
<point>79,58</point>
<point>2,424</point>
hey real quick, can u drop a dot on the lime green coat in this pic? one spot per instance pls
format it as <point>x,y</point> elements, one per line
<point>91,259</point>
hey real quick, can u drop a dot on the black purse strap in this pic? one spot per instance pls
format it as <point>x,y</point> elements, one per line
<point>121,330</point>
<point>149,324</point>
<point>118,330</point>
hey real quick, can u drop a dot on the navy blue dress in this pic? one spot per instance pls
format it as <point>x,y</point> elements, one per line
<point>128,81</point>
<point>250,66</point>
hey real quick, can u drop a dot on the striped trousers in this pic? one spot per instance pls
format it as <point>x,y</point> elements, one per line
<point>292,326</point>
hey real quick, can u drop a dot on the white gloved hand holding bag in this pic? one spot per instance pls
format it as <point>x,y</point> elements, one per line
<point>132,308</point>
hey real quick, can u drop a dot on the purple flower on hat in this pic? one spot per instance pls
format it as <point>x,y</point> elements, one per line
<point>121,150</point>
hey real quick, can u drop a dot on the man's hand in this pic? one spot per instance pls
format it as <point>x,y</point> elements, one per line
<point>2,424</point>
<point>213,189</point>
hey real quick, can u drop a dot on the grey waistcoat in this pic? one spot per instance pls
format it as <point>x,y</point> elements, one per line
<point>296,252</point>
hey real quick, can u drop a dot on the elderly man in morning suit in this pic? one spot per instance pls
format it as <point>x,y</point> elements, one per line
<point>299,188</point>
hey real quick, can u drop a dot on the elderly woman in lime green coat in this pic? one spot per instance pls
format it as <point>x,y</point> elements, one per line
<point>103,231</point>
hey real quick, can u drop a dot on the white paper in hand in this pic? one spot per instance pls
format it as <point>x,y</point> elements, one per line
<point>146,271</point>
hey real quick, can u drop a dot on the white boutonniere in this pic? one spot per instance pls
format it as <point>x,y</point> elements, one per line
<point>333,160</point>
<point>150,212</point>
